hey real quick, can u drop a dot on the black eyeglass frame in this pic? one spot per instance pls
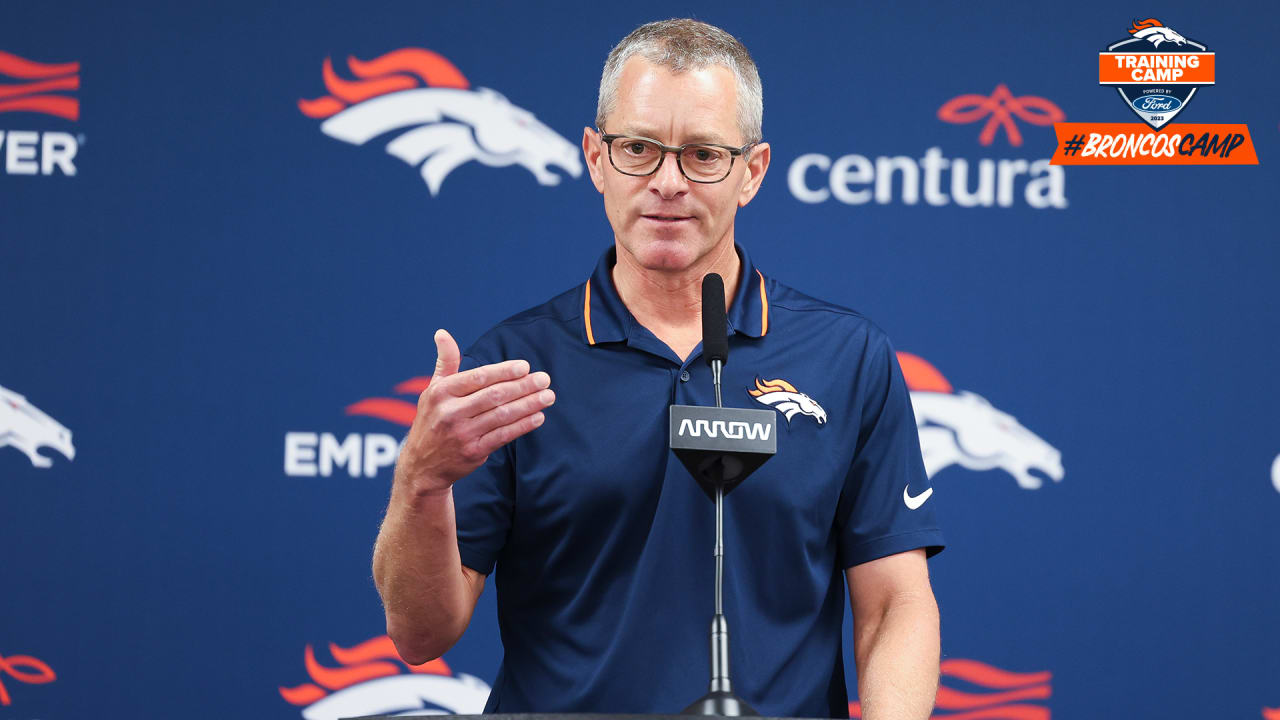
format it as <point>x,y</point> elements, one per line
<point>734,152</point>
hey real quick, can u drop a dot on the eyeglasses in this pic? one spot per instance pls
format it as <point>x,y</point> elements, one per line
<point>699,162</point>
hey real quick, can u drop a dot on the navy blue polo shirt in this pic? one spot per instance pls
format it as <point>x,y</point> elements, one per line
<point>603,541</point>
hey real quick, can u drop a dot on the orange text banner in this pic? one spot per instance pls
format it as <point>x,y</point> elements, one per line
<point>1137,144</point>
<point>1160,68</point>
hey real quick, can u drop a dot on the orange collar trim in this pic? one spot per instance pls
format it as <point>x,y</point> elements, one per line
<point>764,307</point>
<point>586,313</point>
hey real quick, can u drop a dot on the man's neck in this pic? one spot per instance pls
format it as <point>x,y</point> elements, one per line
<point>669,304</point>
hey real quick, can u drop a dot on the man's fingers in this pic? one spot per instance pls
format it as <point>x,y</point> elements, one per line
<point>447,355</point>
<point>465,383</point>
<point>496,438</point>
<point>510,412</point>
<point>497,394</point>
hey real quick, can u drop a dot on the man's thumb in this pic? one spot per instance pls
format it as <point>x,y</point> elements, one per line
<point>447,355</point>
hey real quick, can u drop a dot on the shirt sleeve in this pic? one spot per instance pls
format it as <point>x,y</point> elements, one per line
<point>874,517</point>
<point>483,503</point>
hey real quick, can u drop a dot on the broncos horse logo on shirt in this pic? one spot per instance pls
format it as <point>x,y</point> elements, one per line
<point>444,124</point>
<point>783,397</point>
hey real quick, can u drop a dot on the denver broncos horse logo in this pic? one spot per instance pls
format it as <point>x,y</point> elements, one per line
<point>371,681</point>
<point>974,690</point>
<point>783,397</point>
<point>26,428</point>
<point>1154,32</point>
<point>449,123</point>
<point>965,429</point>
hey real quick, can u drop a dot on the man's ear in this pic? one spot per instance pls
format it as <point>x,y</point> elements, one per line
<point>592,154</point>
<point>757,166</point>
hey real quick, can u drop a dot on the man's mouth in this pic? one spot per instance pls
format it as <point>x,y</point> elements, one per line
<point>667,218</point>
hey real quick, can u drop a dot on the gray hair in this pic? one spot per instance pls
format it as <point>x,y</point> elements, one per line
<point>680,45</point>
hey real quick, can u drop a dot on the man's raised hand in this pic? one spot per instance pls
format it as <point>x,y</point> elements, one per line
<point>462,417</point>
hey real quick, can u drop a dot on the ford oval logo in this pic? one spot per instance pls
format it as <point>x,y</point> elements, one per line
<point>1157,103</point>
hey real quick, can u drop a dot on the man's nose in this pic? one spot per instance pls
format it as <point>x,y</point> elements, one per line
<point>668,182</point>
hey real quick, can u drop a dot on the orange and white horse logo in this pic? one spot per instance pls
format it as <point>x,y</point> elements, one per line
<point>964,428</point>
<point>1154,32</point>
<point>373,680</point>
<point>440,126</point>
<point>786,399</point>
<point>974,690</point>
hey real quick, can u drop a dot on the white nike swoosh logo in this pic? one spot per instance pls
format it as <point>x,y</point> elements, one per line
<point>915,502</point>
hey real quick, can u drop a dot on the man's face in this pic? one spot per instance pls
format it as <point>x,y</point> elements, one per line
<point>664,221</point>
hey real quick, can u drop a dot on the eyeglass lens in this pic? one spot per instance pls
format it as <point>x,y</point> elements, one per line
<point>636,156</point>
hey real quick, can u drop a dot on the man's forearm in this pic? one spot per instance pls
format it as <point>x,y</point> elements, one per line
<point>897,658</point>
<point>418,572</point>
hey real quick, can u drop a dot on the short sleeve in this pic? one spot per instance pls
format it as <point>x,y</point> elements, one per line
<point>884,506</point>
<point>483,503</point>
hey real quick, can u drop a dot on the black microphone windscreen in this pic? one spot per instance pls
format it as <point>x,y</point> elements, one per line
<point>715,322</point>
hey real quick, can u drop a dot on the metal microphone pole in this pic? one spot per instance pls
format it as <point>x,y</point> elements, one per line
<point>718,467</point>
<point>719,626</point>
<point>720,699</point>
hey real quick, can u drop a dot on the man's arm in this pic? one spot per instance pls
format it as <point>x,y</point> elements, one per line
<point>895,636</point>
<point>428,594</point>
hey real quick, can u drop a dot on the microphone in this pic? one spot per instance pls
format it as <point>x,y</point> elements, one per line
<point>715,329</point>
<point>715,321</point>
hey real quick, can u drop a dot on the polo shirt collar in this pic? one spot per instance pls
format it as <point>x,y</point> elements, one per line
<point>606,319</point>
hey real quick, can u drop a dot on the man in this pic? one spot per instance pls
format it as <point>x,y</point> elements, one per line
<point>600,538</point>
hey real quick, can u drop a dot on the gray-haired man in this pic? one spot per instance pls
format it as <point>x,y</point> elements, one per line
<point>600,538</point>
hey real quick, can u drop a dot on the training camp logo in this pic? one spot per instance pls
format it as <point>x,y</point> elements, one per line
<point>373,680</point>
<point>1275,473</point>
<point>970,690</point>
<point>1156,71</point>
<point>440,126</point>
<point>311,454</point>
<point>856,179</point>
<point>37,88</point>
<point>963,428</point>
<point>783,397</point>
<point>1156,82</point>
<point>25,669</point>
<point>24,427</point>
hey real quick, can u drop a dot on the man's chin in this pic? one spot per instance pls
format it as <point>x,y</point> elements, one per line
<point>665,255</point>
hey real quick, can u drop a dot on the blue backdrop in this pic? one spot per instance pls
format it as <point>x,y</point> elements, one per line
<point>217,301</point>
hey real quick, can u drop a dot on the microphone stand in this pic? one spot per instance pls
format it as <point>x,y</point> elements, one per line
<point>720,699</point>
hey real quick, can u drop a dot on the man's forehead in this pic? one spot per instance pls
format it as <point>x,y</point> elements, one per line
<point>699,104</point>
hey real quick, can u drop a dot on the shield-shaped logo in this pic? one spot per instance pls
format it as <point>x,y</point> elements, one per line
<point>1156,70</point>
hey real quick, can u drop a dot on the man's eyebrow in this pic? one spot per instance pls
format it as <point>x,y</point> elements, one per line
<point>650,133</point>
<point>712,138</point>
<point>637,131</point>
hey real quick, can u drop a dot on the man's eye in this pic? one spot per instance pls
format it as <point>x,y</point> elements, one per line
<point>704,155</point>
<point>636,148</point>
